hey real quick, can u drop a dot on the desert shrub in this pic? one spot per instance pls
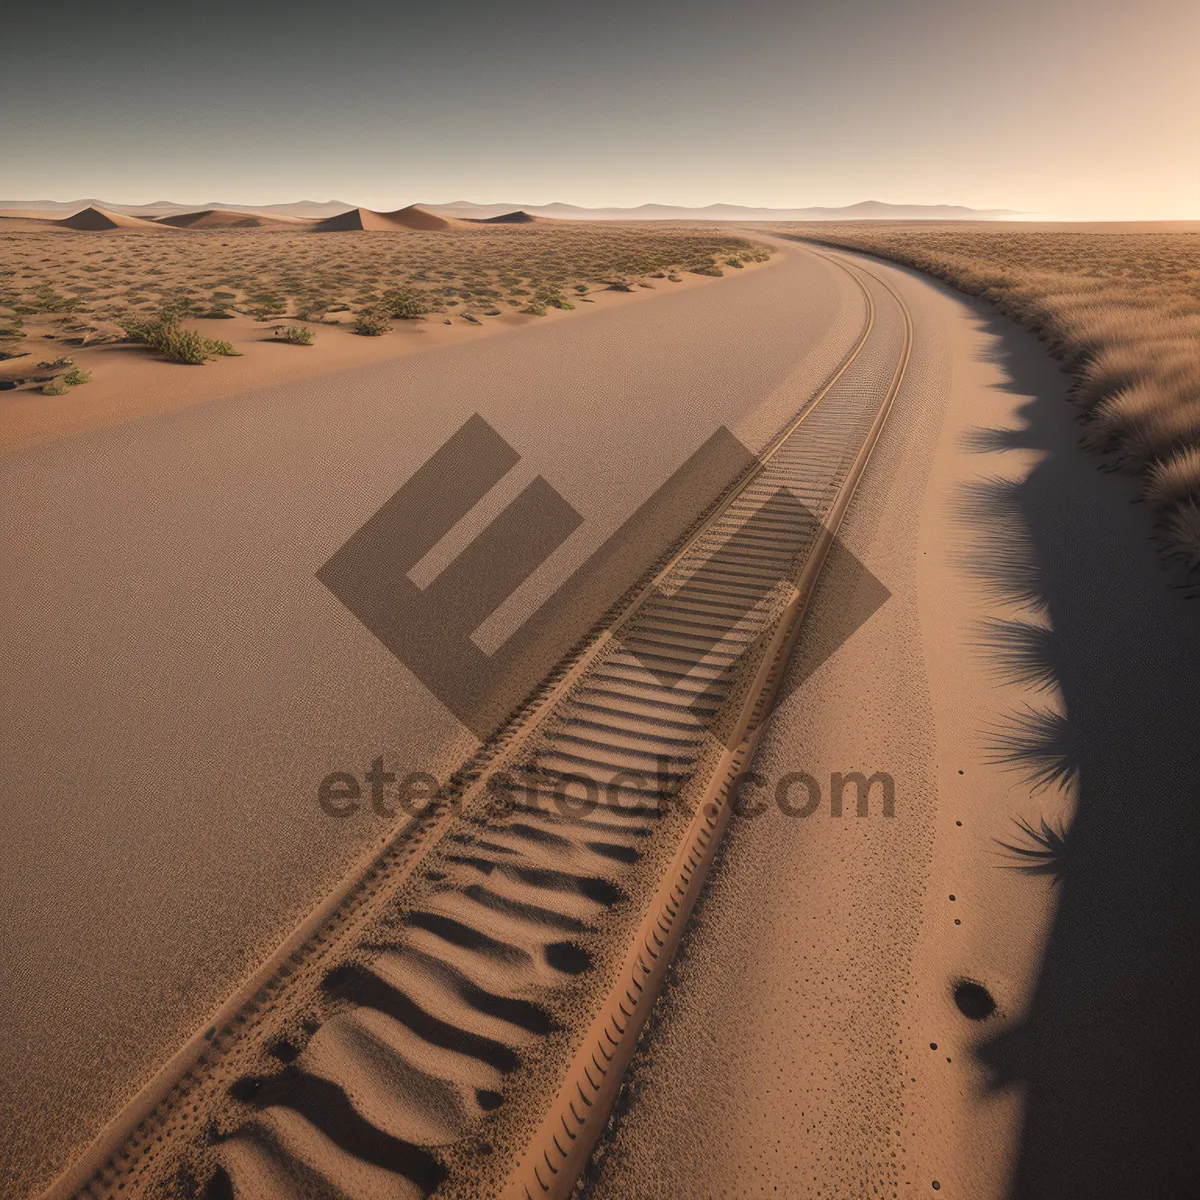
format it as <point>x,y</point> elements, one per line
<point>185,346</point>
<point>371,322</point>
<point>77,376</point>
<point>619,285</point>
<point>56,387</point>
<point>706,268</point>
<point>296,335</point>
<point>175,343</point>
<point>1172,480</point>
<point>535,309</point>
<point>408,304</point>
<point>733,262</point>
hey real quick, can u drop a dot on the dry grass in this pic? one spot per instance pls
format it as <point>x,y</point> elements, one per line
<point>1121,309</point>
<point>271,274</point>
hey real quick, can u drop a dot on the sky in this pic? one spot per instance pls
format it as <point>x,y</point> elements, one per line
<point>1077,109</point>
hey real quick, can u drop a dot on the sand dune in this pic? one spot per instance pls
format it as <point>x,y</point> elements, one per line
<point>92,219</point>
<point>221,218</point>
<point>520,217</point>
<point>412,217</point>
<point>17,221</point>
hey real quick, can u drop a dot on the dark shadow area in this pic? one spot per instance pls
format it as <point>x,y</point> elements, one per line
<point>326,1106</point>
<point>1109,1054</point>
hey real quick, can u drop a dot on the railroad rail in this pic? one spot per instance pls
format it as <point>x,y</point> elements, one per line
<point>457,1018</point>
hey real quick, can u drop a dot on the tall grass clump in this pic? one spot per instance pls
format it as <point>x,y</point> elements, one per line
<point>1120,310</point>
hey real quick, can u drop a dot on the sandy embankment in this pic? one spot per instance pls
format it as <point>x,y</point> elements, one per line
<point>1032,664</point>
<point>130,382</point>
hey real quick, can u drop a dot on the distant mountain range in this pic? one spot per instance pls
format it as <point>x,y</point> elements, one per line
<point>868,210</point>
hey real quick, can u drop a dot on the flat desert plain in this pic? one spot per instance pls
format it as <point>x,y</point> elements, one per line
<point>291,298</point>
<point>975,990</point>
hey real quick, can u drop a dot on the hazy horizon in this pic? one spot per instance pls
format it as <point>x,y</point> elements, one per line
<point>1058,109</point>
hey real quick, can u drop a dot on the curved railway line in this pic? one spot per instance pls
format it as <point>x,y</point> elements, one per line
<point>456,1020</point>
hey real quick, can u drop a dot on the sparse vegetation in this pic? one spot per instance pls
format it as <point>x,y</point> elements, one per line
<point>274,274</point>
<point>372,322</point>
<point>77,376</point>
<point>1121,310</point>
<point>172,341</point>
<point>56,387</point>
<point>149,289</point>
<point>407,303</point>
<point>296,335</point>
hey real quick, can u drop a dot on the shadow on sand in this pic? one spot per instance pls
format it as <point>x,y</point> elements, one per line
<point>1109,1054</point>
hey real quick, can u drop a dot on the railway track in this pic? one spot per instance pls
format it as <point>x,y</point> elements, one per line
<point>457,1018</point>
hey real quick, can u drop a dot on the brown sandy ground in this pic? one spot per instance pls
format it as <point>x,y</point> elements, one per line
<point>63,296</point>
<point>1031,667</point>
<point>176,682</point>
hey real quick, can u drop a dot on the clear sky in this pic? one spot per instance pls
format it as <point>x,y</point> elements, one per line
<point>1072,108</point>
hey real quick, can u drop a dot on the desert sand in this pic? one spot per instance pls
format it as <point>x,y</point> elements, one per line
<point>1032,666</point>
<point>188,682</point>
<point>66,295</point>
<point>964,997</point>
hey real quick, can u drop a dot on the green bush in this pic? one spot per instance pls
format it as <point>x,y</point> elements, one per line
<point>75,376</point>
<point>371,322</point>
<point>179,345</point>
<point>56,387</point>
<point>733,262</point>
<point>297,335</point>
<point>185,346</point>
<point>535,309</point>
<point>408,304</point>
